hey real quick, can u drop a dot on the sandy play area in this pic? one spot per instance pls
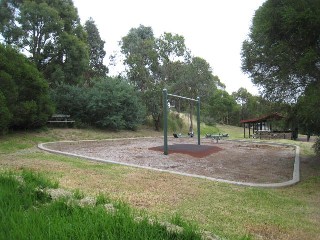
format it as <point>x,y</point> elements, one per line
<point>229,160</point>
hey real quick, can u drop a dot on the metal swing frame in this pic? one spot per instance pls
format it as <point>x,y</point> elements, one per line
<point>165,117</point>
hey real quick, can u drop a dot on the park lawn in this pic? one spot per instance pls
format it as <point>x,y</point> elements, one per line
<point>229,211</point>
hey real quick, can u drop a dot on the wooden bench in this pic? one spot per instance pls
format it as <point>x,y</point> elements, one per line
<point>61,119</point>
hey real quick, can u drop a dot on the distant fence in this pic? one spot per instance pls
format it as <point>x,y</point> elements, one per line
<point>272,135</point>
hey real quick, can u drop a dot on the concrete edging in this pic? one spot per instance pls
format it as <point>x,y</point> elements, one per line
<point>295,175</point>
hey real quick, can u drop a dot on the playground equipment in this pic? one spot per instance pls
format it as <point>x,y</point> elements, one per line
<point>217,137</point>
<point>165,117</point>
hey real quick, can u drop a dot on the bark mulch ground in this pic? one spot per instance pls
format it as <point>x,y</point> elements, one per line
<point>229,160</point>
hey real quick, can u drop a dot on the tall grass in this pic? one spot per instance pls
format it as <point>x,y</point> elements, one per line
<point>27,211</point>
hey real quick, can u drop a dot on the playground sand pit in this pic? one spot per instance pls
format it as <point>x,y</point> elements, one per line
<point>229,160</point>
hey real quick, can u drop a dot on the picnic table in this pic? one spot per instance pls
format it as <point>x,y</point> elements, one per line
<point>61,119</point>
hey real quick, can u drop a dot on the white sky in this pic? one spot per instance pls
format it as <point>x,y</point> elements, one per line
<point>213,29</point>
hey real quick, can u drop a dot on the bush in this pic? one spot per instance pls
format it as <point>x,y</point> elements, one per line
<point>24,89</point>
<point>72,100</point>
<point>316,147</point>
<point>175,123</point>
<point>110,104</point>
<point>5,115</point>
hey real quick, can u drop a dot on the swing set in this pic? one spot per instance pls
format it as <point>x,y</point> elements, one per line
<point>165,118</point>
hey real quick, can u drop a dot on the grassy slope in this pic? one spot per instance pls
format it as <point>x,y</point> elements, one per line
<point>229,211</point>
<point>28,212</point>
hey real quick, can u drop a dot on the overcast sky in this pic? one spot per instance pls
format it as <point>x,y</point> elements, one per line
<point>213,29</point>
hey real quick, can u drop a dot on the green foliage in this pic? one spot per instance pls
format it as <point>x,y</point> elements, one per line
<point>50,31</point>
<point>250,106</point>
<point>156,63</point>
<point>316,147</point>
<point>27,211</point>
<point>75,58</point>
<point>109,103</point>
<point>139,49</point>
<point>77,194</point>
<point>96,51</point>
<point>5,114</point>
<point>72,100</point>
<point>220,107</point>
<point>114,104</point>
<point>176,123</point>
<point>25,91</point>
<point>282,52</point>
<point>307,110</point>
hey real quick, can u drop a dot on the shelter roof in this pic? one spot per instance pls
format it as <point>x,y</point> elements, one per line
<point>272,116</point>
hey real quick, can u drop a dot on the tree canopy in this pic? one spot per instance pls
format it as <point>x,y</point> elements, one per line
<point>164,62</point>
<point>282,53</point>
<point>96,51</point>
<point>51,33</point>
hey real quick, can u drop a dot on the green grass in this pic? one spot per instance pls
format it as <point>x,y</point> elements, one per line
<point>22,140</point>
<point>28,212</point>
<point>234,132</point>
<point>231,212</point>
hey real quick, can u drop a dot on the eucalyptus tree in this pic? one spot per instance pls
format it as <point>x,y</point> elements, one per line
<point>172,52</point>
<point>221,107</point>
<point>246,101</point>
<point>96,51</point>
<point>282,53</point>
<point>141,57</point>
<point>194,78</point>
<point>49,31</point>
<point>151,64</point>
<point>154,63</point>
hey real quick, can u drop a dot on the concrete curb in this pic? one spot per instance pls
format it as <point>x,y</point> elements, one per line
<point>295,175</point>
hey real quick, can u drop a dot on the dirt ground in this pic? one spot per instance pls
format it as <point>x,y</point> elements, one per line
<point>229,160</point>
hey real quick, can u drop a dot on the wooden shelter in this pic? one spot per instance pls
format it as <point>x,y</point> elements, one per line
<point>260,124</point>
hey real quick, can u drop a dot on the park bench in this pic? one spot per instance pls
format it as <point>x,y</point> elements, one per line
<point>61,119</point>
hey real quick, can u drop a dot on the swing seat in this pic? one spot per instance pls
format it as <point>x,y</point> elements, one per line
<point>190,134</point>
<point>179,135</point>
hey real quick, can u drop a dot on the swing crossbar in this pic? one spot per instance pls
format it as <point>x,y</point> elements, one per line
<point>191,99</point>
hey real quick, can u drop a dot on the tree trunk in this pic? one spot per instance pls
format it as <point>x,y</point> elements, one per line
<point>156,120</point>
<point>191,120</point>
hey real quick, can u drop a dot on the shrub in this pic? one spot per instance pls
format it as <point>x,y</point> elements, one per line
<point>5,115</point>
<point>175,123</point>
<point>316,147</point>
<point>24,89</point>
<point>114,104</point>
<point>110,103</point>
<point>72,100</point>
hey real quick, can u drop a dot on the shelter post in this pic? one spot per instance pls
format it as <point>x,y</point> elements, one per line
<point>198,119</point>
